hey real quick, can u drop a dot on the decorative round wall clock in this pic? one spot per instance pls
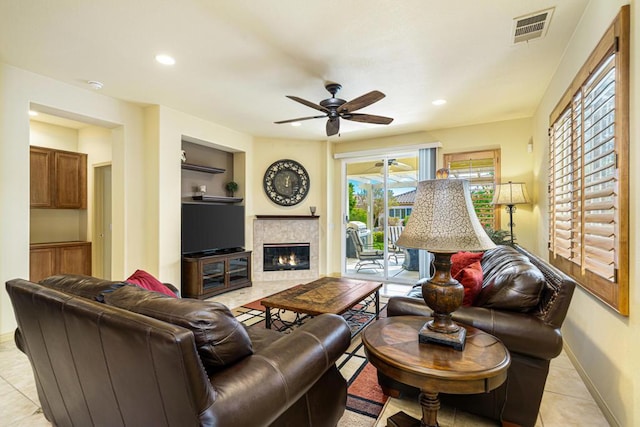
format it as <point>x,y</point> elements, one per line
<point>286,182</point>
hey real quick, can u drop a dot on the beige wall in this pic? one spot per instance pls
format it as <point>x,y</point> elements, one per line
<point>605,346</point>
<point>21,90</point>
<point>313,156</point>
<point>52,136</point>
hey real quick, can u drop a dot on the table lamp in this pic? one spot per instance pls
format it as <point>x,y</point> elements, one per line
<point>510,194</point>
<point>444,222</point>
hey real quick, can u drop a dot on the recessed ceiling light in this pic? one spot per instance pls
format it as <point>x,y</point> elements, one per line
<point>296,124</point>
<point>165,59</point>
<point>94,84</point>
<point>33,113</point>
<point>439,102</point>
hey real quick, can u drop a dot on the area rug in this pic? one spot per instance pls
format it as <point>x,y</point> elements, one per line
<point>364,395</point>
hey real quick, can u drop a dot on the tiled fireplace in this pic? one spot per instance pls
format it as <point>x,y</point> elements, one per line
<point>285,247</point>
<point>286,256</point>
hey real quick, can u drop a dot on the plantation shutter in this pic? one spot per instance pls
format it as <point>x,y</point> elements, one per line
<point>584,185</point>
<point>589,172</point>
<point>481,169</point>
<point>601,186</point>
<point>562,193</point>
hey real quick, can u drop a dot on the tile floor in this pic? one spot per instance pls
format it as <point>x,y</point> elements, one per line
<point>566,401</point>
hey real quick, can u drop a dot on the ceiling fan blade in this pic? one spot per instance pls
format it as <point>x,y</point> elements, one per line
<point>298,120</point>
<point>308,103</point>
<point>361,101</point>
<point>333,126</point>
<point>368,118</point>
<point>390,162</point>
<point>402,166</point>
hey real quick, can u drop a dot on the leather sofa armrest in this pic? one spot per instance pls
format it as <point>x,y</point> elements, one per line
<point>407,306</point>
<point>259,388</point>
<point>520,332</point>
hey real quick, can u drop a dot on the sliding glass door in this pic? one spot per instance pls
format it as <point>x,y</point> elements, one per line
<point>379,198</point>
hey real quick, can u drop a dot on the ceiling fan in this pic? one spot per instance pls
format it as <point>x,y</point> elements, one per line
<point>335,109</point>
<point>394,165</point>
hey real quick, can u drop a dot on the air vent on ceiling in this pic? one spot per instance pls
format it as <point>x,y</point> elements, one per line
<point>531,26</point>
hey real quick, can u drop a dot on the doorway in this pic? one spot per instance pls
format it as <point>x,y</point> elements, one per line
<point>380,193</point>
<point>103,222</point>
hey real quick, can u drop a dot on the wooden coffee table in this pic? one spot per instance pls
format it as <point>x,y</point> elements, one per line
<point>392,346</point>
<point>326,295</point>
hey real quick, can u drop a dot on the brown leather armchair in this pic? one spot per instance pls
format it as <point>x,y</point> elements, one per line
<point>101,365</point>
<point>532,336</point>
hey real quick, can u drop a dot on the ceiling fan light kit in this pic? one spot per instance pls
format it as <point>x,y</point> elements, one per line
<point>335,109</point>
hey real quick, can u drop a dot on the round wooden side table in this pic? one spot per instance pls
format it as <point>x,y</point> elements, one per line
<point>392,346</point>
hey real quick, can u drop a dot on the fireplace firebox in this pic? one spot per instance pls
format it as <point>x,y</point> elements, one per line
<point>286,256</point>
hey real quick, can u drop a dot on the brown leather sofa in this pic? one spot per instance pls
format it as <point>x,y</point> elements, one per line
<point>532,334</point>
<point>99,364</point>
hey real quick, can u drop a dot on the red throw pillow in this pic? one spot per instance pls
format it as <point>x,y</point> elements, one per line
<point>462,260</point>
<point>471,278</point>
<point>145,280</point>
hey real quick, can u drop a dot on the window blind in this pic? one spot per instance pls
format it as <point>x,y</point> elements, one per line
<point>480,168</point>
<point>589,172</point>
<point>584,184</point>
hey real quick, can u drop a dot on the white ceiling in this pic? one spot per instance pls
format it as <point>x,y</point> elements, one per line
<point>237,59</point>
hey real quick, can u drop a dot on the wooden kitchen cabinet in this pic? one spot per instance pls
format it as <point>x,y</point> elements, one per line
<point>58,179</point>
<point>41,164</point>
<point>48,259</point>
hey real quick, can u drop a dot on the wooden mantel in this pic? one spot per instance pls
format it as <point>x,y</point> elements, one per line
<point>287,217</point>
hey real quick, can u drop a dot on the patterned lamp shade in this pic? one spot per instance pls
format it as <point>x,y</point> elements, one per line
<point>511,193</point>
<point>443,219</point>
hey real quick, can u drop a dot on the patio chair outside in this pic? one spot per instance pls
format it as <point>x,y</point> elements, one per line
<point>394,231</point>
<point>367,258</point>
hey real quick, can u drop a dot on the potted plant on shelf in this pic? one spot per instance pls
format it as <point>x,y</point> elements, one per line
<point>231,187</point>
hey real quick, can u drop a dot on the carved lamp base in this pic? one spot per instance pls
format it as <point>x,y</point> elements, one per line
<point>454,339</point>
<point>443,295</point>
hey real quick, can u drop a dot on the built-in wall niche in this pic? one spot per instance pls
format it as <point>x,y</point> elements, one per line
<point>58,186</point>
<point>206,166</point>
<point>57,225</point>
<point>71,238</point>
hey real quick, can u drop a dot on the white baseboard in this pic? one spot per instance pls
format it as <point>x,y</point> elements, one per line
<point>606,412</point>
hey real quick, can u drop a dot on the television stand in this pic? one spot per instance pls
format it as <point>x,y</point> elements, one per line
<point>204,276</point>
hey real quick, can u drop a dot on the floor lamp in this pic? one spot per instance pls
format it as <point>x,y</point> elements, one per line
<point>511,194</point>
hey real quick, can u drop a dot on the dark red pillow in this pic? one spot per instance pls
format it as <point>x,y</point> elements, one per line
<point>145,280</point>
<point>462,260</point>
<point>471,278</point>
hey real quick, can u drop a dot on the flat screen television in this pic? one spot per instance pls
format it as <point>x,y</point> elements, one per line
<point>211,228</point>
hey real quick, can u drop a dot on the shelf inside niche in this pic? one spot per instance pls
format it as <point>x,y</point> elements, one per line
<point>217,199</point>
<point>199,168</point>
